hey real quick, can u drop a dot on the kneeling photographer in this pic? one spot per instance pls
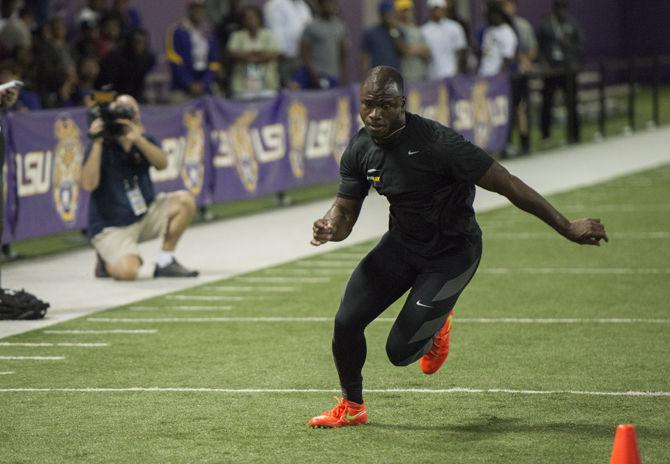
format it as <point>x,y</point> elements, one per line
<point>124,209</point>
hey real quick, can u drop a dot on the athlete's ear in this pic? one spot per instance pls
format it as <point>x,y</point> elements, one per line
<point>404,100</point>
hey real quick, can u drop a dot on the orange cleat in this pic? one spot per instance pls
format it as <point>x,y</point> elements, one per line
<point>433,360</point>
<point>345,413</point>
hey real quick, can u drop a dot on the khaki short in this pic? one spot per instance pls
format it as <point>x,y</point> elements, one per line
<point>116,242</point>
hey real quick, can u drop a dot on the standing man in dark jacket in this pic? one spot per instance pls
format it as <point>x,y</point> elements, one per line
<point>561,40</point>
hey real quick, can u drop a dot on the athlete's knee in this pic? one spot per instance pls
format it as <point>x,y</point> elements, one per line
<point>398,350</point>
<point>347,324</point>
<point>400,355</point>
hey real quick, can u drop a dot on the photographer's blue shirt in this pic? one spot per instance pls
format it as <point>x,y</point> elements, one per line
<point>119,170</point>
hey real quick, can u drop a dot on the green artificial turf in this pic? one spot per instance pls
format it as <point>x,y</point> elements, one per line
<point>527,271</point>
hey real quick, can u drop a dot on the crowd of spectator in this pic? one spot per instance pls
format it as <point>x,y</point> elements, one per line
<point>61,60</point>
<point>251,52</point>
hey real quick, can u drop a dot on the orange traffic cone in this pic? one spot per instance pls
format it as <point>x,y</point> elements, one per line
<point>625,450</point>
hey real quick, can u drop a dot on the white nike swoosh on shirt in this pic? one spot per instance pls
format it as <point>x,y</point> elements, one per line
<point>418,303</point>
<point>410,152</point>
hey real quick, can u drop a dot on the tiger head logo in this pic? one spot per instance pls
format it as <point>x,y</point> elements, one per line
<point>193,168</point>
<point>68,157</point>
<point>297,132</point>
<point>243,150</point>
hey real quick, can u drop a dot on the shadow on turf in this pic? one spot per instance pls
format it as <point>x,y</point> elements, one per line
<point>481,428</point>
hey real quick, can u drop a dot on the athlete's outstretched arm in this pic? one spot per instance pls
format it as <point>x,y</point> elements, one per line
<point>583,231</point>
<point>336,225</point>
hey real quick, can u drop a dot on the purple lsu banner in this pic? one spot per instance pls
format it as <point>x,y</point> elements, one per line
<point>222,150</point>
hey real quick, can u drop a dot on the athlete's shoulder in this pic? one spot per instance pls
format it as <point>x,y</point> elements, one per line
<point>430,130</point>
<point>359,143</point>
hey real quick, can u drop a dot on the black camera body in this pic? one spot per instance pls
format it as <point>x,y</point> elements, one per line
<point>109,115</point>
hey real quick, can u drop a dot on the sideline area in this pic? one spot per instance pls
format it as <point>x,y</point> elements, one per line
<point>231,247</point>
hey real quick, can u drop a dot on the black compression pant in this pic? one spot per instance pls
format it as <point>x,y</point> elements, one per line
<point>383,276</point>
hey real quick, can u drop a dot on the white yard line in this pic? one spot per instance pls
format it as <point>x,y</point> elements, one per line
<point>274,279</point>
<point>32,358</point>
<point>231,288</point>
<point>340,271</point>
<point>7,373</point>
<point>455,390</point>
<point>44,344</point>
<point>327,263</point>
<point>205,297</point>
<point>656,235</point>
<point>342,256</point>
<point>577,270</point>
<point>306,271</point>
<point>180,308</point>
<point>618,208</point>
<point>113,331</point>
<point>480,320</point>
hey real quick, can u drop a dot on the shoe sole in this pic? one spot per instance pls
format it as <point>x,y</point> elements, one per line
<point>334,427</point>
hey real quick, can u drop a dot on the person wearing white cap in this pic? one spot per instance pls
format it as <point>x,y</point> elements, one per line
<point>446,40</point>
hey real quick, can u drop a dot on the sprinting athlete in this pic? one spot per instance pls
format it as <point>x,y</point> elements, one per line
<point>428,173</point>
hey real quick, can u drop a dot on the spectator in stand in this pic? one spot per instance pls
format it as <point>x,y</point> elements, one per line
<point>526,54</point>
<point>8,99</point>
<point>471,57</point>
<point>110,36</point>
<point>27,99</point>
<point>24,60</point>
<point>92,12</point>
<point>129,17</point>
<point>86,42</point>
<point>192,54</point>
<point>446,41</point>
<point>55,72</point>
<point>415,52</point>
<point>452,13</point>
<point>230,22</point>
<point>287,20</point>
<point>382,43</point>
<point>17,31</point>
<point>255,54</point>
<point>127,67</point>
<point>499,41</point>
<point>217,9</point>
<point>560,42</point>
<point>323,50</point>
<point>88,70</point>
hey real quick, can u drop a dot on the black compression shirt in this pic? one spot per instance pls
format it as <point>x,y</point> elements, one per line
<point>428,176</point>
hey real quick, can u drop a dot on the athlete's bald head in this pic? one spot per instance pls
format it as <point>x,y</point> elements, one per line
<point>385,77</point>
<point>383,102</point>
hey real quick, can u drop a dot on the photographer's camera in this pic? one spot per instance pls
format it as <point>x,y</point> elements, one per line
<point>109,114</point>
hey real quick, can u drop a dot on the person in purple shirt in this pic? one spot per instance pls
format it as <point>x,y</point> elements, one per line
<point>192,54</point>
<point>382,43</point>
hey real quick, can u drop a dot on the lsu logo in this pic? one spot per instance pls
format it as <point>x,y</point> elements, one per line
<point>243,150</point>
<point>297,133</point>
<point>342,127</point>
<point>68,158</point>
<point>483,125</point>
<point>374,177</point>
<point>193,167</point>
